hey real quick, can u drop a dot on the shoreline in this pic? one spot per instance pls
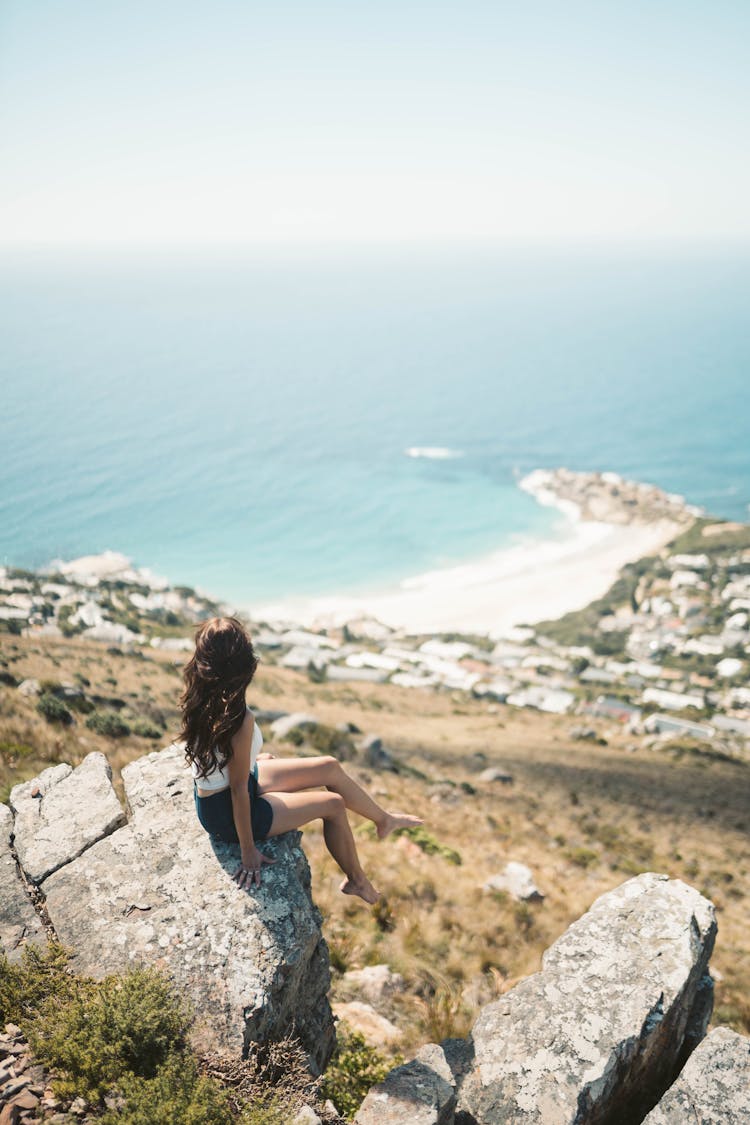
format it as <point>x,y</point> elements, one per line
<point>609,522</point>
<point>513,586</point>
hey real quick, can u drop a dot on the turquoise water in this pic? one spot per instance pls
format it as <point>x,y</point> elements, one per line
<point>241,424</point>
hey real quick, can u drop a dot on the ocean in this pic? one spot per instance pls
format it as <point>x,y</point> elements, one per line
<point>271,425</point>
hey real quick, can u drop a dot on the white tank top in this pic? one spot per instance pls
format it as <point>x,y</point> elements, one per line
<point>219,779</point>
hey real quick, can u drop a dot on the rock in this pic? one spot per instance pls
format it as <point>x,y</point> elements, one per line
<point>29,687</point>
<point>26,1100</point>
<point>518,880</point>
<point>374,754</point>
<point>364,1019</point>
<point>713,1087</point>
<point>10,1115</point>
<point>298,720</point>
<point>159,891</point>
<point>421,1092</point>
<point>493,774</point>
<point>583,734</point>
<point>602,1030</point>
<point>76,808</point>
<point>19,921</point>
<point>374,984</point>
<point>307,1116</point>
<point>265,717</point>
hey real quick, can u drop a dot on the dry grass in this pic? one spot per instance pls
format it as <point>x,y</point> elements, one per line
<point>583,817</point>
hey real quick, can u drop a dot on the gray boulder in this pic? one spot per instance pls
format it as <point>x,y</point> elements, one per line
<point>30,687</point>
<point>714,1086</point>
<point>599,1034</point>
<point>159,891</point>
<point>421,1092</point>
<point>62,812</point>
<point>517,880</point>
<point>19,921</point>
<point>281,728</point>
<point>494,774</point>
<point>375,984</point>
<point>374,754</point>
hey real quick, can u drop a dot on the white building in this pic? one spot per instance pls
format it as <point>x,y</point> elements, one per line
<point>672,700</point>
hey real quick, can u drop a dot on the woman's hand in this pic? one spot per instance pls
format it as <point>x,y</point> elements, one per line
<point>248,873</point>
<point>265,754</point>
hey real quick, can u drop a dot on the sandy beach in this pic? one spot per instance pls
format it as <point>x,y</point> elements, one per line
<point>515,586</point>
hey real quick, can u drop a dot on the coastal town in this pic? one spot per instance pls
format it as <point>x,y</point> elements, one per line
<point>663,654</point>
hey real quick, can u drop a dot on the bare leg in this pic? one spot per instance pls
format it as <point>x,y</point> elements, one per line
<point>291,774</point>
<point>292,810</point>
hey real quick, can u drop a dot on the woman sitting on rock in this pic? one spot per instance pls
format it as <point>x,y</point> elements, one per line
<point>245,797</point>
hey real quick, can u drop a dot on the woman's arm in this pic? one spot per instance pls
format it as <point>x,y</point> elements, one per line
<point>238,769</point>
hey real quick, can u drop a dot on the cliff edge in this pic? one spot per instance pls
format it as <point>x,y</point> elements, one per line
<point>147,885</point>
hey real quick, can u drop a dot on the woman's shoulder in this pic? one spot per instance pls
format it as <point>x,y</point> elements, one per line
<point>257,733</point>
<point>250,724</point>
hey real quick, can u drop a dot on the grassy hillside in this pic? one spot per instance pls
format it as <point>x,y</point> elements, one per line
<point>583,816</point>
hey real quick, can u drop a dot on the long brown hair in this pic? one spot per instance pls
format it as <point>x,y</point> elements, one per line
<point>213,702</point>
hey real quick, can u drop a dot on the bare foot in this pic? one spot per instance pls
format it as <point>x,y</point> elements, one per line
<point>362,887</point>
<point>395,820</point>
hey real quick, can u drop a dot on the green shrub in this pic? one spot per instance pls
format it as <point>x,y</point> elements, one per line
<point>53,709</point>
<point>583,857</point>
<point>12,751</point>
<point>329,740</point>
<point>108,723</point>
<point>429,845</point>
<point>108,1029</point>
<point>145,729</point>
<point>175,1093</point>
<point>26,985</point>
<point>354,1068</point>
<point>80,703</point>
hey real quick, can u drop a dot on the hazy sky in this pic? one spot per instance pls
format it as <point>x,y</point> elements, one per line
<point>232,120</point>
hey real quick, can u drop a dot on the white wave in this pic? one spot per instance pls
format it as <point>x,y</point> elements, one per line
<point>433,452</point>
<point>537,483</point>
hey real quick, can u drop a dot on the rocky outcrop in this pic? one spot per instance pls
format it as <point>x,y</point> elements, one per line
<point>19,921</point>
<point>421,1092</point>
<point>595,1037</point>
<point>62,812</point>
<point>607,497</point>
<point>713,1088</point>
<point>158,890</point>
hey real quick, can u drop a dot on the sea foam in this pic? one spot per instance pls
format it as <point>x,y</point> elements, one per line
<point>433,452</point>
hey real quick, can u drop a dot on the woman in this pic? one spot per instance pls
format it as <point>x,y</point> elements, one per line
<point>245,797</point>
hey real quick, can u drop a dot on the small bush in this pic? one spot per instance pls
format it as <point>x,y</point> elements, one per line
<point>10,752</point>
<point>145,729</point>
<point>108,1029</point>
<point>175,1093</point>
<point>354,1068</point>
<point>583,857</point>
<point>329,740</point>
<point>108,723</point>
<point>25,986</point>
<point>429,845</point>
<point>269,1087</point>
<point>53,709</point>
<point>444,1014</point>
<point>79,702</point>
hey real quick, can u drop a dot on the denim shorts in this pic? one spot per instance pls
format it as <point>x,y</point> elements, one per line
<point>216,816</point>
